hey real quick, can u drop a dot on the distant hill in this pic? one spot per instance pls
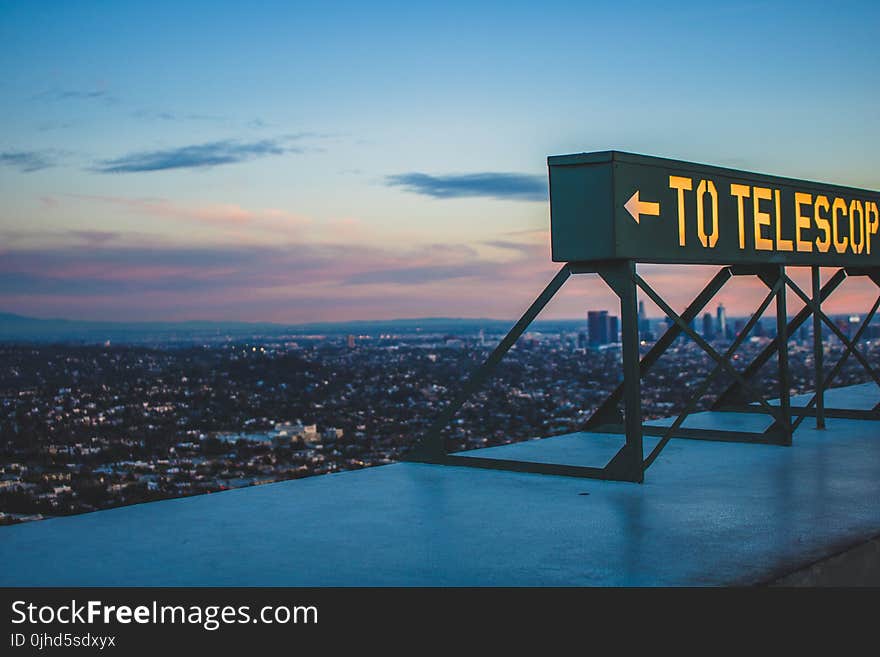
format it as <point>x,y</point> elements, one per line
<point>18,328</point>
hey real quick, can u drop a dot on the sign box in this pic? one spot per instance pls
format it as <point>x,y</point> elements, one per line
<point>611,205</point>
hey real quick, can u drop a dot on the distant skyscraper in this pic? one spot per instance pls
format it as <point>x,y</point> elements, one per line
<point>708,326</point>
<point>482,337</point>
<point>597,327</point>
<point>582,340</point>
<point>721,323</point>
<point>644,328</point>
<point>613,328</point>
<point>351,342</point>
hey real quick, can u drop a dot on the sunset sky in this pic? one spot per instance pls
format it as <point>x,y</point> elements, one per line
<point>319,161</point>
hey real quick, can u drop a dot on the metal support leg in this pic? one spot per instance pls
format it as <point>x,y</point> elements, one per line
<point>620,277</point>
<point>818,350</point>
<point>782,352</point>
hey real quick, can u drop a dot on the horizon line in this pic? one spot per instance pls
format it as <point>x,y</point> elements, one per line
<point>8,315</point>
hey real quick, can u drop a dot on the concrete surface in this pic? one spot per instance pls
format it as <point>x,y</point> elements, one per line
<point>708,513</point>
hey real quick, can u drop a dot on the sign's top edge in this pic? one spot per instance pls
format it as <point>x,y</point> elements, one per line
<point>595,157</point>
<point>605,157</point>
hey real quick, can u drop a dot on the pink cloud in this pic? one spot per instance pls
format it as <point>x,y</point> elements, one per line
<point>216,214</point>
<point>301,282</point>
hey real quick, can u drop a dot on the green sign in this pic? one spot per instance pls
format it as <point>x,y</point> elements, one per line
<point>611,206</point>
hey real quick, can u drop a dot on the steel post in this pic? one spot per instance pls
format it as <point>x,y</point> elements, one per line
<point>818,349</point>
<point>782,353</point>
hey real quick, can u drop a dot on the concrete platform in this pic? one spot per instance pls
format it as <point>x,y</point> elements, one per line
<point>709,513</point>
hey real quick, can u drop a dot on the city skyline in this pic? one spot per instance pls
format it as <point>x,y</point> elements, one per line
<point>288,164</point>
<point>133,423</point>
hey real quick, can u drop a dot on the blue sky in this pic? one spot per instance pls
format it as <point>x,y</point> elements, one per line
<point>312,161</point>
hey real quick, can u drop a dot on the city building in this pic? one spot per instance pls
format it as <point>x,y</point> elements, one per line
<point>597,327</point>
<point>643,319</point>
<point>613,329</point>
<point>721,321</point>
<point>602,328</point>
<point>708,326</point>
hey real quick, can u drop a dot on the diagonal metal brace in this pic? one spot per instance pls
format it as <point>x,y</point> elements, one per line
<point>431,445</point>
<point>826,382</point>
<point>704,386</point>
<point>607,412</point>
<point>718,358</point>
<point>732,396</point>
<point>835,329</point>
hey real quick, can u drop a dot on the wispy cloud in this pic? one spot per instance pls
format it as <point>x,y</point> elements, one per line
<point>87,267</point>
<point>46,126</point>
<point>95,237</point>
<point>527,248</point>
<point>57,95</point>
<point>504,186</point>
<point>164,115</point>
<point>196,156</point>
<point>96,275</point>
<point>27,161</point>
<point>420,275</point>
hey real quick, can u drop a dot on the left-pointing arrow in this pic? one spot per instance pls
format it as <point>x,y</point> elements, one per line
<point>636,207</point>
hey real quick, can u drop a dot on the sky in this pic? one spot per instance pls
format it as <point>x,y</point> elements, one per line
<point>297,162</point>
